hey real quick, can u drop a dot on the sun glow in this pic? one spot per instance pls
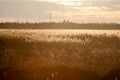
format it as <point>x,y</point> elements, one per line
<point>64,2</point>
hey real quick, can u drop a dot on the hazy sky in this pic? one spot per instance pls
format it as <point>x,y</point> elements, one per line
<point>72,10</point>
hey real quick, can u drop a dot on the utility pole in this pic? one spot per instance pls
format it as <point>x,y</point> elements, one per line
<point>50,19</point>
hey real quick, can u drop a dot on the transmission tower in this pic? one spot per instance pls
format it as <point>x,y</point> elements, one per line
<point>50,17</point>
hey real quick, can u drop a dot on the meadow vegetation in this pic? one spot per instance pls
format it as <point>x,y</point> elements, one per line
<point>58,57</point>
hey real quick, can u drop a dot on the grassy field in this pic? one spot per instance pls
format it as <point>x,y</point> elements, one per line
<point>58,55</point>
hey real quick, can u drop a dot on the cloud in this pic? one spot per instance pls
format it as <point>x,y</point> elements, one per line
<point>107,4</point>
<point>15,20</point>
<point>13,0</point>
<point>86,16</point>
<point>28,9</point>
<point>63,2</point>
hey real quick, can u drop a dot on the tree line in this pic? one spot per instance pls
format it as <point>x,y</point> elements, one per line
<point>62,25</point>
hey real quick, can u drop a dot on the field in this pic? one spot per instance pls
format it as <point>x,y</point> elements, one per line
<point>59,54</point>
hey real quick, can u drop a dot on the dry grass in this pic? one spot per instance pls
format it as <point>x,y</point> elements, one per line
<point>35,57</point>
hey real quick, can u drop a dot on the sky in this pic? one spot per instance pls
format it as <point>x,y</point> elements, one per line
<point>79,11</point>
